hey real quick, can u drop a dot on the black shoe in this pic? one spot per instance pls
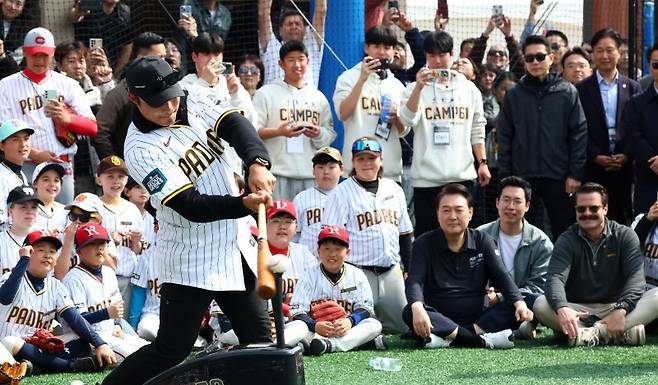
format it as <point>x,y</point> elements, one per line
<point>378,343</point>
<point>305,346</point>
<point>319,347</point>
<point>84,364</point>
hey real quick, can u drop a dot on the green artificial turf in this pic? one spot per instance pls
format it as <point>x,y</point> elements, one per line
<point>536,362</point>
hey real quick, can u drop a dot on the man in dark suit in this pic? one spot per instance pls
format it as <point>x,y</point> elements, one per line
<point>604,97</point>
<point>640,123</point>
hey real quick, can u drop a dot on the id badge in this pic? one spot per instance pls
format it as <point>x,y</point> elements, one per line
<point>441,135</point>
<point>383,130</point>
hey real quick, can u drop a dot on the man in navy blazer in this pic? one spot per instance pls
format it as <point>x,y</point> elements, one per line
<point>641,122</point>
<point>604,97</point>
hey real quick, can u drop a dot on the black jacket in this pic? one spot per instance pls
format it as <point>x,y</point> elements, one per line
<point>18,28</point>
<point>611,273</point>
<point>641,121</point>
<point>542,131</point>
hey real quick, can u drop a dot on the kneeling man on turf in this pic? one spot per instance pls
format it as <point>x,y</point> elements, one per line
<point>331,327</point>
<point>450,269</point>
<point>595,284</point>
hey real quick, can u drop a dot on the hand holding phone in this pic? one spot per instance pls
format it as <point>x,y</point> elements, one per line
<point>394,8</point>
<point>497,12</point>
<point>185,11</point>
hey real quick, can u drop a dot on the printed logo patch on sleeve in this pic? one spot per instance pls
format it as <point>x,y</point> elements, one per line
<point>154,181</point>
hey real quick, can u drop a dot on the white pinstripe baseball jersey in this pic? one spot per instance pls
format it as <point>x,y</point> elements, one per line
<point>279,102</point>
<point>352,290</point>
<point>123,219</point>
<point>9,246</point>
<point>53,219</point>
<point>146,271</point>
<point>299,260</point>
<point>31,309</point>
<point>89,293</point>
<point>8,181</point>
<point>310,205</point>
<point>172,159</point>
<point>24,99</point>
<point>374,222</point>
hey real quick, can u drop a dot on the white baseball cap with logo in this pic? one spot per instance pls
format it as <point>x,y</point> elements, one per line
<point>39,40</point>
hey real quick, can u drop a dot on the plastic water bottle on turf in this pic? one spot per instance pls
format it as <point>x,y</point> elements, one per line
<point>386,364</point>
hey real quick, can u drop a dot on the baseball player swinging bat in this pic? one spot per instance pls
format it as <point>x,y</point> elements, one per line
<point>266,287</point>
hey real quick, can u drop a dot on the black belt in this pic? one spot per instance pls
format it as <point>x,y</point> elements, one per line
<point>376,269</point>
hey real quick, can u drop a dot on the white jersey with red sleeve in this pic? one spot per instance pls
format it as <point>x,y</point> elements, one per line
<point>32,310</point>
<point>21,98</point>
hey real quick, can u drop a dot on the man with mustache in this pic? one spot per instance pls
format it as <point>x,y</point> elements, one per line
<point>594,293</point>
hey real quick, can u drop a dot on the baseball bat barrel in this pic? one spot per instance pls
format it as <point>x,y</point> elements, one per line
<point>266,287</point>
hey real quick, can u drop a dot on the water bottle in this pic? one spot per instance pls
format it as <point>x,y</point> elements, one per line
<point>386,364</point>
<point>385,108</point>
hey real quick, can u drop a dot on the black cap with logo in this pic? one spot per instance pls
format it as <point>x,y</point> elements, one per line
<point>153,80</point>
<point>22,194</point>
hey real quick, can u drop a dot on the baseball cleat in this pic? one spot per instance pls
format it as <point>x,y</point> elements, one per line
<point>84,364</point>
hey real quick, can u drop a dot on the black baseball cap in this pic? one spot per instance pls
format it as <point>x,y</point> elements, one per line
<point>153,80</point>
<point>22,194</point>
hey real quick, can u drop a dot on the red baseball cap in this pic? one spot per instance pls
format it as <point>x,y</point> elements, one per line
<point>42,235</point>
<point>334,232</point>
<point>282,206</point>
<point>88,233</point>
<point>39,40</point>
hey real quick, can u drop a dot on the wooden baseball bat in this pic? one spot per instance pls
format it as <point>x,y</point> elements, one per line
<point>266,287</point>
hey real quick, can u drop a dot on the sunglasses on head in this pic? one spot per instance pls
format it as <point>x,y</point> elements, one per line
<point>82,217</point>
<point>538,56</point>
<point>244,70</point>
<point>366,144</point>
<point>592,209</point>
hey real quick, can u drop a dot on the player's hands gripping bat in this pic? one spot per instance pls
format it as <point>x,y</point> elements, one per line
<point>266,287</point>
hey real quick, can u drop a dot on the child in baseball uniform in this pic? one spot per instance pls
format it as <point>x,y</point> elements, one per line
<point>122,219</point>
<point>327,169</point>
<point>335,282</point>
<point>95,291</point>
<point>374,212</point>
<point>47,181</point>
<point>85,208</point>
<point>31,299</point>
<point>15,144</point>
<point>294,120</point>
<point>145,300</point>
<point>281,225</point>
<point>22,203</point>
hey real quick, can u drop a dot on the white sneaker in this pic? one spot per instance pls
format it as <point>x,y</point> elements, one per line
<point>588,337</point>
<point>498,340</point>
<point>437,342</point>
<point>527,330</point>
<point>634,336</point>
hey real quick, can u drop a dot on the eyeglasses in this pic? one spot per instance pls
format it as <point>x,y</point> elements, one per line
<point>506,201</point>
<point>555,46</point>
<point>654,65</point>
<point>538,56</point>
<point>364,144</point>
<point>592,209</point>
<point>82,217</point>
<point>282,222</point>
<point>245,70</point>
<point>496,53</point>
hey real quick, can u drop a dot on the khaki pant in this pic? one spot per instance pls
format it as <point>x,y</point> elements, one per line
<point>389,298</point>
<point>645,311</point>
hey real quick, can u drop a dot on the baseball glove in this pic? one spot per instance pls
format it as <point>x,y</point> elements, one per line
<point>65,136</point>
<point>327,311</point>
<point>45,340</point>
<point>12,374</point>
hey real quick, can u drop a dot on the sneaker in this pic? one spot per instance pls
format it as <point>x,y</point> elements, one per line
<point>634,336</point>
<point>200,343</point>
<point>84,364</point>
<point>498,340</point>
<point>304,346</point>
<point>378,343</point>
<point>588,337</point>
<point>527,331</point>
<point>319,346</point>
<point>437,342</point>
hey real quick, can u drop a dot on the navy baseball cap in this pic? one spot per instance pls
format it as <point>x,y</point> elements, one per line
<point>22,194</point>
<point>153,80</point>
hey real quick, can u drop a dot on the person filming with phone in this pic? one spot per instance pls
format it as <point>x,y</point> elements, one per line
<point>446,112</point>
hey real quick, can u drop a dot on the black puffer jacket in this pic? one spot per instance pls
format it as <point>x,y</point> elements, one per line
<point>542,131</point>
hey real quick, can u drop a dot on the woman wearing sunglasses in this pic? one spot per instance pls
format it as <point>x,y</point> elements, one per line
<point>374,212</point>
<point>85,208</point>
<point>250,71</point>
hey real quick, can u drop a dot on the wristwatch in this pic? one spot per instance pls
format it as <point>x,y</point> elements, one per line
<point>262,161</point>
<point>482,161</point>
<point>620,306</point>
